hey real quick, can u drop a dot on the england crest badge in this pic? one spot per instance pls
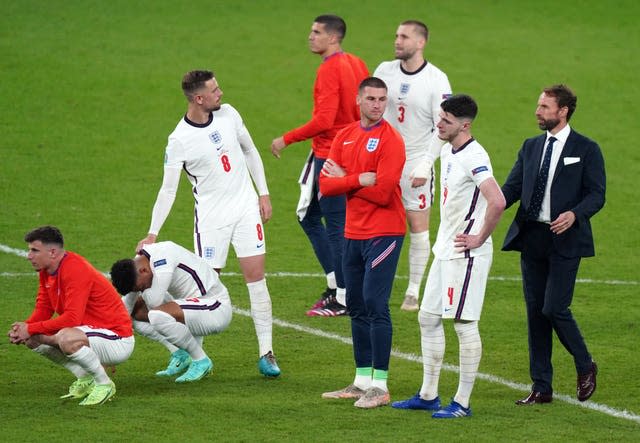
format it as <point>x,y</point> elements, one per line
<point>372,144</point>
<point>215,137</point>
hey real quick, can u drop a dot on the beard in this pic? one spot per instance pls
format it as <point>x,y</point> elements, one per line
<point>548,125</point>
<point>404,55</point>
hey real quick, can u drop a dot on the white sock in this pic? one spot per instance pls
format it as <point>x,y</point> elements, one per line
<point>57,356</point>
<point>89,361</point>
<point>419,247</point>
<point>380,384</point>
<point>433,344</point>
<point>379,380</point>
<point>331,280</point>
<point>363,378</point>
<point>176,333</point>
<point>144,328</point>
<point>341,296</point>
<point>470,355</point>
<point>261,314</point>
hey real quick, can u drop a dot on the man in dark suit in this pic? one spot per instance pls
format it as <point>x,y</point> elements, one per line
<point>559,179</point>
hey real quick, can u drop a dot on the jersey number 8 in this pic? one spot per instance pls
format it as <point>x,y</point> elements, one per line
<point>225,163</point>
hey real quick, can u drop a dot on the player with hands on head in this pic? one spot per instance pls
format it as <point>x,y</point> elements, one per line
<point>174,296</point>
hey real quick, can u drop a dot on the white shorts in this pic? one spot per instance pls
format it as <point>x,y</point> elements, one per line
<point>206,316</point>
<point>416,199</point>
<point>455,288</point>
<point>246,236</point>
<point>109,346</point>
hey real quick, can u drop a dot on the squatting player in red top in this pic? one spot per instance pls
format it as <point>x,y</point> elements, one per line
<point>92,327</point>
<point>365,163</point>
<point>334,107</point>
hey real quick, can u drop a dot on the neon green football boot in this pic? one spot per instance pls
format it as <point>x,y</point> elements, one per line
<point>80,388</point>
<point>99,394</point>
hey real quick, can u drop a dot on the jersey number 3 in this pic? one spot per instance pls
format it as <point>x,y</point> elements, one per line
<point>401,114</point>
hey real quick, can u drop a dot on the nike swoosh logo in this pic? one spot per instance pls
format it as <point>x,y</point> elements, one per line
<point>348,143</point>
<point>260,245</point>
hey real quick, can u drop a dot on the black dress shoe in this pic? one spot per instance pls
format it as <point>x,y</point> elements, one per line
<point>535,397</point>
<point>587,383</point>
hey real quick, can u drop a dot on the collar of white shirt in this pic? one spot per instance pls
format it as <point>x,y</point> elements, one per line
<point>561,136</point>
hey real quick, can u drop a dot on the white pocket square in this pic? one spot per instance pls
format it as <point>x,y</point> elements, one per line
<point>570,160</point>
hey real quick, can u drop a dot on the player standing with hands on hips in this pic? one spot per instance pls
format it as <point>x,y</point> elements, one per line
<point>416,89</point>
<point>471,205</point>
<point>334,107</point>
<point>213,146</point>
<point>365,164</point>
<point>559,178</point>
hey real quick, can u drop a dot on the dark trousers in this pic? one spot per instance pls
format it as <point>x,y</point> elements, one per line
<point>369,270</point>
<point>548,281</point>
<point>327,239</point>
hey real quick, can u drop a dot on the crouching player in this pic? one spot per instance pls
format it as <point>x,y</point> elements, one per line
<point>175,298</point>
<point>92,327</point>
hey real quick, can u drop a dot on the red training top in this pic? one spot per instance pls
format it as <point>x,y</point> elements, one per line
<point>334,102</point>
<point>377,210</point>
<point>81,296</point>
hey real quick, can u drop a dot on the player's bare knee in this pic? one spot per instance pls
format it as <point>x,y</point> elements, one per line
<point>70,340</point>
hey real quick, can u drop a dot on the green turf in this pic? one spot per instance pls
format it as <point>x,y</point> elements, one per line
<point>90,90</point>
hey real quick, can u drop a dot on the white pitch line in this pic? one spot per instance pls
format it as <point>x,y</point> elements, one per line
<point>23,253</point>
<point>447,367</point>
<point>14,251</point>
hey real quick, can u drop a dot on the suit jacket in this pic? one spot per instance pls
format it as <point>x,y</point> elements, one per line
<point>578,186</point>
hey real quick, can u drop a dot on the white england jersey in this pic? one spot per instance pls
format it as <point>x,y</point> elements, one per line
<point>414,103</point>
<point>213,157</point>
<point>462,206</point>
<point>180,274</point>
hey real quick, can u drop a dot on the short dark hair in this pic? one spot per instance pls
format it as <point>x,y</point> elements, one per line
<point>564,97</point>
<point>372,82</point>
<point>48,235</point>
<point>460,106</point>
<point>124,275</point>
<point>420,27</point>
<point>333,24</point>
<point>193,81</point>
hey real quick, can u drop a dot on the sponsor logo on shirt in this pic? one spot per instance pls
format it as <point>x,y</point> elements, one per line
<point>479,169</point>
<point>372,144</point>
<point>158,263</point>
<point>259,245</point>
<point>446,96</point>
<point>348,143</point>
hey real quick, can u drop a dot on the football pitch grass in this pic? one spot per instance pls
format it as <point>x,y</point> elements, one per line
<point>90,90</point>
